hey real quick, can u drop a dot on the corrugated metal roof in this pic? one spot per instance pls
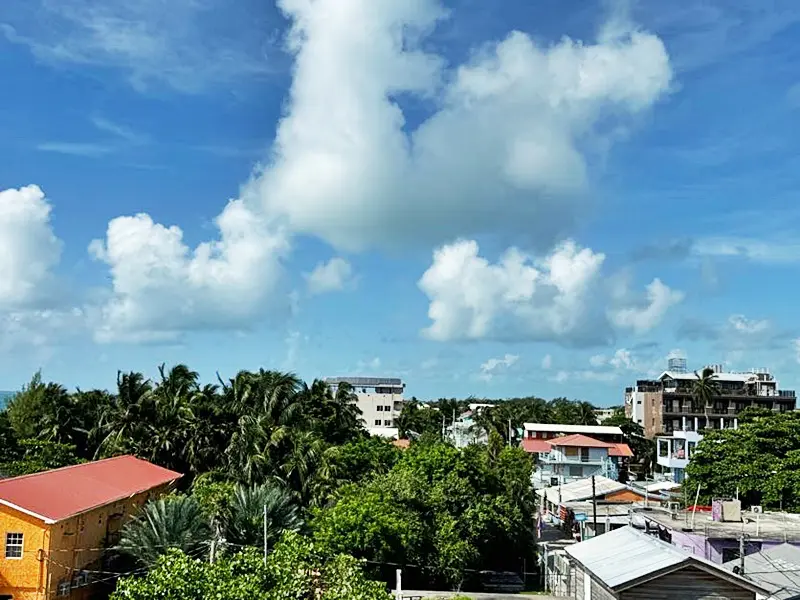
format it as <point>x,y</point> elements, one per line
<point>579,440</point>
<point>536,446</point>
<point>620,450</point>
<point>626,555</point>
<point>61,493</point>
<point>776,569</point>
<point>567,429</point>
<point>581,489</point>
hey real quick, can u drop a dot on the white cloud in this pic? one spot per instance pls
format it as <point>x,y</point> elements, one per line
<point>29,250</point>
<point>547,362</point>
<point>660,298</point>
<point>623,359</point>
<point>332,276</point>
<point>84,149</point>
<point>508,147</point>
<point>514,298</point>
<point>742,324</point>
<point>781,248</point>
<point>370,366</point>
<point>194,44</point>
<point>554,298</point>
<point>560,377</point>
<point>493,365</point>
<point>598,360</point>
<point>161,287</point>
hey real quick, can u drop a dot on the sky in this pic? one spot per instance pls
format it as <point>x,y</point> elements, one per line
<point>540,197</point>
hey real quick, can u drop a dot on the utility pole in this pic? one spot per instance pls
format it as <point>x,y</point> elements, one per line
<point>741,555</point>
<point>509,432</point>
<point>265,535</point>
<point>594,506</point>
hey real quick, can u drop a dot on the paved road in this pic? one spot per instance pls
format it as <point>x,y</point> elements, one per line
<point>476,595</point>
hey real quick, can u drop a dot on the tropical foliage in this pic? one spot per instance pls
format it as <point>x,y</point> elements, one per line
<point>294,570</point>
<point>267,440</point>
<point>759,461</point>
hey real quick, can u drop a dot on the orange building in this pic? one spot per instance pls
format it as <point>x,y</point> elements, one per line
<point>55,525</point>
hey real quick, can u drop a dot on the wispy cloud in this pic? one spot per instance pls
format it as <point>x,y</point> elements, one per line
<point>119,131</point>
<point>88,150</point>
<point>779,249</point>
<point>185,45</point>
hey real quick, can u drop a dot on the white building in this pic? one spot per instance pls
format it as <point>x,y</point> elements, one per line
<point>379,398</point>
<point>676,450</point>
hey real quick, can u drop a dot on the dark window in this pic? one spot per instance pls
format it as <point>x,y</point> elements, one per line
<point>377,422</point>
<point>380,408</point>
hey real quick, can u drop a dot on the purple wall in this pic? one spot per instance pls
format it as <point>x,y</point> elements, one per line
<point>712,550</point>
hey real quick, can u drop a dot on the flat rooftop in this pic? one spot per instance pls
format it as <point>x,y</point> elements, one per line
<point>768,526</point>
<point>585,429</point>
<point>366,381</point>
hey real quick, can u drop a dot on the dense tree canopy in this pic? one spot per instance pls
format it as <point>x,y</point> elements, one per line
<point>333,494</point>
<point>760,460</point>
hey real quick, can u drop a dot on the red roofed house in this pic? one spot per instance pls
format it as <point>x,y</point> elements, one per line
<point>574,457</point>
<point>55,524</point>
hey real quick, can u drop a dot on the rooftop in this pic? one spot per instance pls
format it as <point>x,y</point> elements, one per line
<point>581,489</point>
<point>777,570</point>
<point>721,376</point>
<point>580,441</point>
<point>365,381</point>
<point>627,557</point>
<point>768,526</point>
<point>55,495</point>
<point>536,446</point>
<point>567,429</point>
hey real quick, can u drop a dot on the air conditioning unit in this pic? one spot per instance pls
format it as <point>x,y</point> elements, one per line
<point>757,509</point>
<point>674,506</point>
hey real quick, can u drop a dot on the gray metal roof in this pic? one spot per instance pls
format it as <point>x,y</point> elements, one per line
<point>581,489</point>
<point>626,555</point>
<point>776,570</point>
<point>365,381</point>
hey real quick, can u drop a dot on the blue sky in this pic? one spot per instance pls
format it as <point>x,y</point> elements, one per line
<point>549,198</point>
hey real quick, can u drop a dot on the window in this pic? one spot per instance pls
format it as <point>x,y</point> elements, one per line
<point>387,408</point>
<point>378,422</point>
<point>575,471</point>
<point>63,588</point>
<point>387,423</point>
<point>13,545</point>
<point>380,408</point>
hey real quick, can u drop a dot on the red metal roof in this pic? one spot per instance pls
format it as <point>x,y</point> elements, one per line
<point>620,450</point>
<point>61,493</point>
<point>536,446</point>
<point>580,440</point>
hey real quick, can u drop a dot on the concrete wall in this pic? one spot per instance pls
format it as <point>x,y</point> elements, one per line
<point>25,577</point>
<point>369,403</point>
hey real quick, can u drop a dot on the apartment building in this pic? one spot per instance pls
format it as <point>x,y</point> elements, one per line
<point>573,457</point>
<point>666,404</point>
<point>379,398</point>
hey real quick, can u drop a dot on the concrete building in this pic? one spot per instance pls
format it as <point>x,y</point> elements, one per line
<point>573,457</point>
<point>603,414</point>
<point>674,452</point>
<point>380,400</point>
<point>666,404</point>
<point>628,564</point>
<point>56,524</point>
<point>548,431</point>
<point>717,535</point>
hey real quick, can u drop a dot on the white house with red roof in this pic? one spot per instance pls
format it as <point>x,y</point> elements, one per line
<point>572,457</point>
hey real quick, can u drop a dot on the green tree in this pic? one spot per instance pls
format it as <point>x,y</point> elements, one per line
<point>757,460</point>
<point>35,456</point>
<point>295,570</point>
<point>704,389</point>
<point>242,521</point>
<point>169,522</point>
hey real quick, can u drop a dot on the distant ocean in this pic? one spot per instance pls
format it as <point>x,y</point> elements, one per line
<point>4,396</point>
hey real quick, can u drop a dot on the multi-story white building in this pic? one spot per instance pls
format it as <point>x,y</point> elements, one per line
<point>379,398</point>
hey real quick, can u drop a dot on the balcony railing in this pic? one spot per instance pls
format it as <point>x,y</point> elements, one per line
<point>562,458</point>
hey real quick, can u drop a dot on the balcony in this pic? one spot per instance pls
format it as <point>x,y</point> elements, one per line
<point>552,458</point>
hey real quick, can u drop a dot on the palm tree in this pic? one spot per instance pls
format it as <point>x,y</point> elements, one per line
<point>171,522</point>
<point>242,522</point>
<point>704,388</point>
<point>584,414</point>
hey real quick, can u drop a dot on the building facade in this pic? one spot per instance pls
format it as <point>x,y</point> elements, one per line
<point>380,400</point>
<point>57,525</point>
<point>575,457</point>
<point>666,404</point>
